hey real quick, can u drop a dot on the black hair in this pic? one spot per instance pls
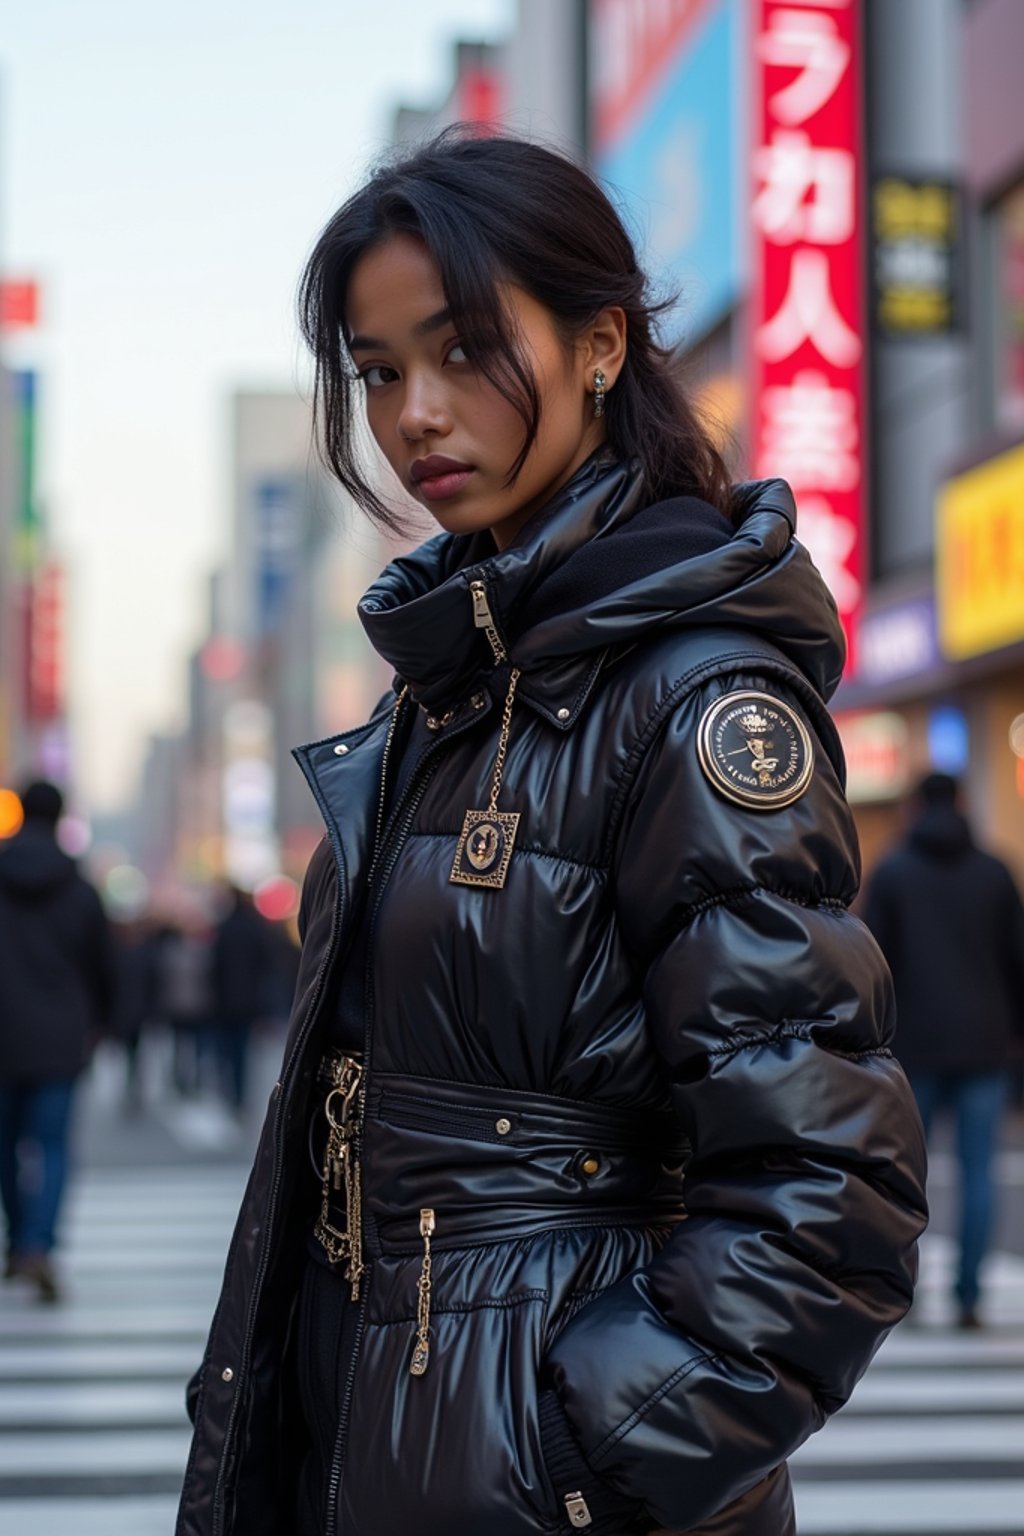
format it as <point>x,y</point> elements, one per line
<point>42,801</point>
<point>938,790</point>
<point>492,210</point>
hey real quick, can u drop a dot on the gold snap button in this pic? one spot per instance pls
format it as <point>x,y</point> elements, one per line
<point>340,750</point>
<point>433,724</point>
<point>563,714</point>
<point>227,1374</point>
<point>478,701</point>
<point>503,1126</point>
<point>590,1165</point>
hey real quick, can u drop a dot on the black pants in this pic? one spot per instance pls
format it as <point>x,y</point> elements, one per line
<point>321,1347</point>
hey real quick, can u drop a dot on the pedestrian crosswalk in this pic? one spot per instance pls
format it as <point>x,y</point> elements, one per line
<point>93,1434</point>
<point>932,1441</point>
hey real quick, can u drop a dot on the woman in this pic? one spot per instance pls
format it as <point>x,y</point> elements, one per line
<point>580,922</point>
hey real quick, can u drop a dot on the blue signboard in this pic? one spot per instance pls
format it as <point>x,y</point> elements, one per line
<point>674,169</point>
<point>898,641</point>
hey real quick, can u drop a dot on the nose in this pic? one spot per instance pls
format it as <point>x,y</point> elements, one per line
<point>424,411</point>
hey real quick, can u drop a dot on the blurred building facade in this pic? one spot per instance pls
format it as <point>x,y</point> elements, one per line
<point>282,660</point>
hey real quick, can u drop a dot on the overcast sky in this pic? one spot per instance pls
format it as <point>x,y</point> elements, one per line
<point>164,170</point>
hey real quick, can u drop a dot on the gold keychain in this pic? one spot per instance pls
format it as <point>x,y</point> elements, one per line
<point>488,837</point>
<point>341,1171</point>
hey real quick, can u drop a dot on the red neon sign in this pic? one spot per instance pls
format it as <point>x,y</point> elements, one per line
<point>479,97</point>
<point>46,645</point>
<point>19,304</point>
<point>807,331</point>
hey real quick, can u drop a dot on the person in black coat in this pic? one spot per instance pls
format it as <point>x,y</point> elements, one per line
<point>589,1185</point>
<point>949,920</point>
<point>57,987</point>
<point>244,967</point>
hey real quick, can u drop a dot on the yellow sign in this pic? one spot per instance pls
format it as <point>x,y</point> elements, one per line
<point>980,553</point>
<point>914,255</point>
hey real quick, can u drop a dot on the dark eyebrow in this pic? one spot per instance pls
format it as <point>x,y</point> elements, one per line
<point>421,328</point>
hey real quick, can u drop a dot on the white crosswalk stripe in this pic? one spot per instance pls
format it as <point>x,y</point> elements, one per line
<point>932,1441</point>
<point>93,1434</point>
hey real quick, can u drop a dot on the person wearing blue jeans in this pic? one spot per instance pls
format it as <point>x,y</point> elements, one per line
<point>34,1123</point>
<point>949,920</point>
<point>976,1100</point>
<point>57,993</point>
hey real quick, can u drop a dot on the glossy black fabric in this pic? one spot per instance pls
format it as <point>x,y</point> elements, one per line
<point>667,979</point>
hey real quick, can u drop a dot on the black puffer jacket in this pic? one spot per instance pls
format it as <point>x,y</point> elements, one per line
<point>670,960</point>
<point>57,970</point>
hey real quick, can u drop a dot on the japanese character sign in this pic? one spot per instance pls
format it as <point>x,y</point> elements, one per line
<point>808,310</point>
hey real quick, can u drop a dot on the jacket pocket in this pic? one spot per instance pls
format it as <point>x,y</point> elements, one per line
<point>456,1448</point>
<point>415,1114</point>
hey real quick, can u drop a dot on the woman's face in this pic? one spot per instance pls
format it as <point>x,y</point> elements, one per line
<point>447,433</point>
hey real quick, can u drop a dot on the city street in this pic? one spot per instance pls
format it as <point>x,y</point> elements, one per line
<point>93,1435</point>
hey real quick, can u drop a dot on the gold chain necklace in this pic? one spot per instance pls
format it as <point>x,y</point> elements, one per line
<point>488,837</point>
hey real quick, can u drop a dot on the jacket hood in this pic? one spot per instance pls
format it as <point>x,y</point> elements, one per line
<point>941,833</point>
<point>31,863</point>
<point>598,568</point>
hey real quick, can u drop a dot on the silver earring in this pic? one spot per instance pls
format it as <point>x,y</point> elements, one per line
<point>600,385</point>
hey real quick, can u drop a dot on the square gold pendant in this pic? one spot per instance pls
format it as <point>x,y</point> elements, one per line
<point>485,848</point>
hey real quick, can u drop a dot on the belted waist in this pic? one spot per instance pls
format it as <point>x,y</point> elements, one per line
<point>495,1164</point>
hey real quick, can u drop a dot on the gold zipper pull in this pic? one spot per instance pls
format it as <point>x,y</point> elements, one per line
<point>483,618</point>
<point>421,1350</point>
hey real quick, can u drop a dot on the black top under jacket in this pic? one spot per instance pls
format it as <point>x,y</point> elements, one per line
<point>670,979</point>
<point>950,923</point>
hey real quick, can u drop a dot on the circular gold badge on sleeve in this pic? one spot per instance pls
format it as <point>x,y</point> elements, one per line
<point>755,750</point>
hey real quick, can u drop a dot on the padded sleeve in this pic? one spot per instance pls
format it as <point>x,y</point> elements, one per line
<point>770,1007</point>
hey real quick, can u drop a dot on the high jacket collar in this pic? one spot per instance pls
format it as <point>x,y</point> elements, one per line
<point>419,614</point>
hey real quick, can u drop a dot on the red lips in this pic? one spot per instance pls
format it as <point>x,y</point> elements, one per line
<point>438,478</point>
<point>435,465</point>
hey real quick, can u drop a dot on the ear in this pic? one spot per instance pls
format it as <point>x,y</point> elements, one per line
<point>603,345</point>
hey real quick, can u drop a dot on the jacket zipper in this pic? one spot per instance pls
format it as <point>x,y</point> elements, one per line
<point>334,1482</point>
<point>275,1187</point>
<point>395,834</point>
<point>483,618</point>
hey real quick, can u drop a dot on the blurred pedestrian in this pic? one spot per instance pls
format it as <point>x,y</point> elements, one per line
<point>949,920</point>
<point>579,924</point>
<point>136,1007</point>
<point>56,997</point>
<point>245,961</point>
<point>184,1000</point>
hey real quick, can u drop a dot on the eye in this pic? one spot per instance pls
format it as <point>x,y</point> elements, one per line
<point>456,353</point>
<point>376,375</point>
